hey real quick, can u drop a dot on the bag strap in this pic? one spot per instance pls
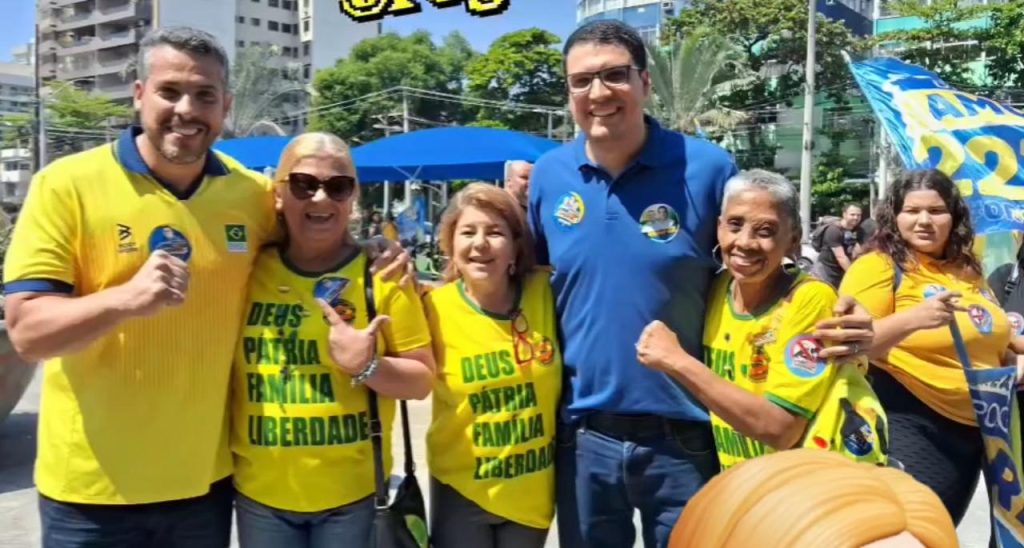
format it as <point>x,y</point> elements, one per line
<point>376,427</point>
<point>381,497</point>
<point>1011,280</point>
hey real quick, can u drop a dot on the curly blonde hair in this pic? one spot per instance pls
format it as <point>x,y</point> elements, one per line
<point>808,497</point>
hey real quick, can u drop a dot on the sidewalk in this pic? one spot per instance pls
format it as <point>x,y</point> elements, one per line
<point>19,523</point>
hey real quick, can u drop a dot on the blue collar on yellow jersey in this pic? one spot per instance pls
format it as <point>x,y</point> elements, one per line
<point>131,159</point>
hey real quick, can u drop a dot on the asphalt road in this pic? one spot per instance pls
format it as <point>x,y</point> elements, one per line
<point>19,523</point>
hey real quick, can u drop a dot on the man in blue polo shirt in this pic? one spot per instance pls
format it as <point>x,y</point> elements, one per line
<point>626,216</point>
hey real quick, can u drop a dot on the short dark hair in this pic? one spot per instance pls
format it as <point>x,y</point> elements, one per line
<point>848,205</point>
<point>609,32</point>
<point>185,39</point>
<point>959,248</point>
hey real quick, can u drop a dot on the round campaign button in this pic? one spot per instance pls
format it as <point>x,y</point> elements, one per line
<point>168,239</point>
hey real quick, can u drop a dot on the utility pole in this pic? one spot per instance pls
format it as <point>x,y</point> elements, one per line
<point>808,145</point>
<point>40,133</point>
<point>551,124</point>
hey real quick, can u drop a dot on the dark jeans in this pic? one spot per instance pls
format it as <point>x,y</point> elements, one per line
<point>201,522</point>
<point>458,522</point>
<point>943,454</point>
<point>610,465</point>
<point>260,526</point>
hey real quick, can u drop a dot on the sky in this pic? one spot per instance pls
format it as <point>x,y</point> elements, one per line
<point>558,16</point>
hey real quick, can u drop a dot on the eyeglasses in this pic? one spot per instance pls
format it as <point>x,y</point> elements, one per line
<point>521,345</point>
<point>303,186</point>
<point>580,82</point>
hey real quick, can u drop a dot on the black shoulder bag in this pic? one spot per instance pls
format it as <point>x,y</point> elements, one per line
<point>403,523</point>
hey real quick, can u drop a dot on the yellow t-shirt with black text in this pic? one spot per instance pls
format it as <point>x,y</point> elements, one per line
<point>300,430</point>
<point>926,362</point>
<point>140,414</point>
<point>495,399</point>
<point>771,354</point>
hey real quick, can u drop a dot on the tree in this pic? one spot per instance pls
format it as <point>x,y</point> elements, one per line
<point>944,22</point>
<point>262,91</point>
<point>772,34</point>
<point>75,120</point>
<point>688,78</point>
<point>1004,45</point>
<point>520,67</point>
<point>378,64</point>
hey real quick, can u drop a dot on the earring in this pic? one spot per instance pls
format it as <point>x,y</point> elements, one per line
<point>512,269</point>
<point>715,251</point>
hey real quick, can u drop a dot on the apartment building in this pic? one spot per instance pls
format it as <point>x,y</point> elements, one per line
<point>94,43</point>
<point>17,96</point>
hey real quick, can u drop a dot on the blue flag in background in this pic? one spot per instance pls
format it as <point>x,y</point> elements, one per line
<point>976,141</point>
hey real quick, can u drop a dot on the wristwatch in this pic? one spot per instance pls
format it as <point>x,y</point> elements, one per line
<point>367,372</point>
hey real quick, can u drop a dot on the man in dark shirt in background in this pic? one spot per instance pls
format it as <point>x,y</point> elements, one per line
<point>840,245</point>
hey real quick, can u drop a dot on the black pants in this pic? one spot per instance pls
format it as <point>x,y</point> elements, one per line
<point>940,453</point>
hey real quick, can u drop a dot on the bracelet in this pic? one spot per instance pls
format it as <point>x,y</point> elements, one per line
<point>367,372</point>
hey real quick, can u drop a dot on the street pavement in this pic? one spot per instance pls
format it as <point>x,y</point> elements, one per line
<point>19,522</point>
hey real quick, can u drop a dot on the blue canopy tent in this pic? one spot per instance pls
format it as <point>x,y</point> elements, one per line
<point>438,154</point>
<point>255,153</point>
<point>442,154</point>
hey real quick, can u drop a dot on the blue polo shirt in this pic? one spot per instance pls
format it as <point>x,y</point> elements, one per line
<point>627,251</point>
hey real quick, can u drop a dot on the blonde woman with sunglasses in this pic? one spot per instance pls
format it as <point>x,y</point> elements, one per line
<point>307,356</point>
<point>490,446</point>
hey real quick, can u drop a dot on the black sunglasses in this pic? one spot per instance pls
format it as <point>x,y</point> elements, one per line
<point>303,186</point>
<point>580,82</point>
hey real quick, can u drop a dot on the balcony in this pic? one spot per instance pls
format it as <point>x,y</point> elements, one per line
<point>105,14</point>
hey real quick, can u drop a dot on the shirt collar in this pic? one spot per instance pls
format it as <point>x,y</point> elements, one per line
<point>651,154</point>
<point>129,156</point>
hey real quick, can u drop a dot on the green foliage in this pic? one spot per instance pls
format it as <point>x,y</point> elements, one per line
<point>772,34</point>
<point>520,67</point>
<point>15,129</point>
<point>772,37</point>
<point>384,62</point>
<point>70,107</point>
<point>262,91</point>
<point>944,22</point>
<point>689,76</point>
<point>1004,45</point>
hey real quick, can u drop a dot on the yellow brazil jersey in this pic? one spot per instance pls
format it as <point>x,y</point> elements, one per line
<point>495,399</point>
<point>300,430</point>
<point>926,362</point>
<point>771,354</point>
<point>139,415</point>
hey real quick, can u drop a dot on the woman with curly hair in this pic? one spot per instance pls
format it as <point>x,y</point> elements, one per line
<point>918,276</point>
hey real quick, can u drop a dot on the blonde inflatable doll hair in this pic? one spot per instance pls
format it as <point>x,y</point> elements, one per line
<point>811,498</point>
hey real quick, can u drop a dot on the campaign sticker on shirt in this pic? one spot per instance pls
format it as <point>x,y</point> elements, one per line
<point>659,222</point>
<point>933,290</point>
<point>168,239</point>
<point>1016,323</point>
<point>802,357</point>
<point>545,351</point>
<point>569,210</point>
<point>981,318</point>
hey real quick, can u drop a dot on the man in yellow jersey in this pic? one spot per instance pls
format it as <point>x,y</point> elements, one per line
<point>126,274</point>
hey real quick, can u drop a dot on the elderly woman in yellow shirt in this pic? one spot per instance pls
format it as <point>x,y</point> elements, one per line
<point>765,373</point>
<point>919,275</point>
